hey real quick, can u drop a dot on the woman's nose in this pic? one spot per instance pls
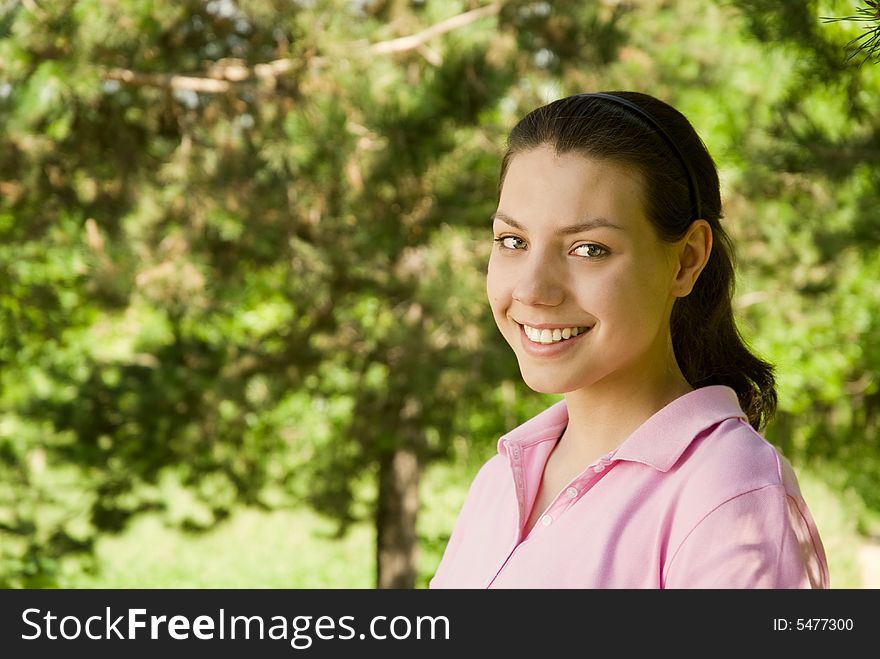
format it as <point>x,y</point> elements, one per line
<point>539,282</point>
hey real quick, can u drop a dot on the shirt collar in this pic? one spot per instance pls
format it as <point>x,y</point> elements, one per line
<point>659,441</point>
<point>541,427</point>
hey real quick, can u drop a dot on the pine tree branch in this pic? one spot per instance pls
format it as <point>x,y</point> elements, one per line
<point>169,81</point>
<point>415,40</point>
<point>226,73</point>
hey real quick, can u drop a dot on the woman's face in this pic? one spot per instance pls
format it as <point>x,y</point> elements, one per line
<point>576,257</point>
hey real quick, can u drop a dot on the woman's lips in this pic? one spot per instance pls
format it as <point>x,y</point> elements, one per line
<point>549,349</point>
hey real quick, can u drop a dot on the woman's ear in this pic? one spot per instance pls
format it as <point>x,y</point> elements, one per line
<point>692,253</point>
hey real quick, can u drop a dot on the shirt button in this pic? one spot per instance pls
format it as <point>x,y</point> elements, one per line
<point>571,492</point>
<point>546,520</point>
<point>599,467</point>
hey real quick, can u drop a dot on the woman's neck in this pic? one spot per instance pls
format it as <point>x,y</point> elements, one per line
<point>602,416</point>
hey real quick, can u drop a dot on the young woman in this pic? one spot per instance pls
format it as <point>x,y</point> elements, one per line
<point>611,278</point>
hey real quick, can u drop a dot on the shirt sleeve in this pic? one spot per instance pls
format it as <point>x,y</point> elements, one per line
<point>758,539</point>
<point>440,578</point>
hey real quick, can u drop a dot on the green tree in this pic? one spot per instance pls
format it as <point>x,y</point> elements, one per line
<point>242,251</point>
<point>815,172</point>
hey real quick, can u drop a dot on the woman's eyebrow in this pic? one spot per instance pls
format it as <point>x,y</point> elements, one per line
<point>586,225</point>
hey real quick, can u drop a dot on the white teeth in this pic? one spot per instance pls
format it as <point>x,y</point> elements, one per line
<point>552,336</point>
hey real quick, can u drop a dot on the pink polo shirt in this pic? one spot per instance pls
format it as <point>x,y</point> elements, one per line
<point>693,498</point>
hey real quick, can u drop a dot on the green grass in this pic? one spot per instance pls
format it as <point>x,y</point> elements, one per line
<point>297,549</point>
<point>253,549</point>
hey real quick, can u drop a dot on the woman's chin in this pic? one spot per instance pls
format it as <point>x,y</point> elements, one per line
<point>544,385</point>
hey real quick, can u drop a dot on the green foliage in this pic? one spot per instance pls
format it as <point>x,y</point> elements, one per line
<point>253,282</point>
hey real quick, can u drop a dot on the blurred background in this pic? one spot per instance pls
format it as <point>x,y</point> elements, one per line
<point>244,340</point>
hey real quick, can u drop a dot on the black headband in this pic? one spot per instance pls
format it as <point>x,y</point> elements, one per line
<point>635,109</point>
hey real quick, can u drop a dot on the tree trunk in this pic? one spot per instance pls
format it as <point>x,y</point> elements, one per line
<point>396,543</point>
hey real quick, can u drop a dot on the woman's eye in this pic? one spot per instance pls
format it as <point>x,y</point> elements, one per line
<point>511,242</point>
<point>590,250</point>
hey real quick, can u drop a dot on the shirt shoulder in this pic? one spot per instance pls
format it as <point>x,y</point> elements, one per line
<point>495,470</point>
<point>730,478</point>
<point>721,463</point>
<point>730,459</point>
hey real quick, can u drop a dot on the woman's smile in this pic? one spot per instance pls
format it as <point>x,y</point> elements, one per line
<point>551,343</point>
<point>552,334</point>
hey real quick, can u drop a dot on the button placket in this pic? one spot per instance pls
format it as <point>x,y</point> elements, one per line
<point>516,463</point>
<point>585,482</point>
<point>602,463</point>
<point>563,502</point>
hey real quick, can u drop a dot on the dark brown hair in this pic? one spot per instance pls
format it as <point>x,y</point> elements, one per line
<point>708,346</point>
